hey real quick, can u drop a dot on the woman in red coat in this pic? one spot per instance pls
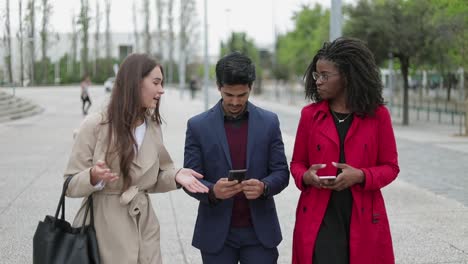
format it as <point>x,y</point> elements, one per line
<point>346,132</point>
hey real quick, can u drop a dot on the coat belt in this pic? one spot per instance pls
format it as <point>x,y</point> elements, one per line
<point>136,200</point>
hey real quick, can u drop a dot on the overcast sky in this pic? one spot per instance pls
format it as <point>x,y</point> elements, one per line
<point>256,17</point>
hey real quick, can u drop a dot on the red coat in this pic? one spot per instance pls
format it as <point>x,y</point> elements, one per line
<point>370,146</point>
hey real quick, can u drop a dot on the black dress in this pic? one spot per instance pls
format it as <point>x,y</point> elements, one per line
<point>332,243</point>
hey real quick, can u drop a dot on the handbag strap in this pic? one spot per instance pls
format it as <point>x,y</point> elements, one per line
<point>62,198</point>
<point>89,207</point>
<point>61,205</point>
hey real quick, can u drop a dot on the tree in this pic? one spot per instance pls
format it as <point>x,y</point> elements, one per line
<point>448,50</point>
<point>74,47</point>
<point>147,35</point>
<point>396,27</point>
<point>295,49</point>
<point>187,36</point>
<point>84,20</point>
<point>46,12</point>
<point>159,36</point>
<point>7,42</point>
<point>20,37</point>
<point>238,41</point>
<point>135,28</point>
<point>31,39</point>
<point>107,4</point>
<point>97,19</point>
<point>170,42</point>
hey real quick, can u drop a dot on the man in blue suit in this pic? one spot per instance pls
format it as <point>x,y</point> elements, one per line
<point>237,220</point>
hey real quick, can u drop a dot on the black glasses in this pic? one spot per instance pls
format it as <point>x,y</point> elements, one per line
<point>322,76</point>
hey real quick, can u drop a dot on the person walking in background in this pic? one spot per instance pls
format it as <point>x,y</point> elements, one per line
<point>119,157</point>
<point>193,86</point>
<point>85,99</point>
<point>346,132</point>
<point>237,219</point>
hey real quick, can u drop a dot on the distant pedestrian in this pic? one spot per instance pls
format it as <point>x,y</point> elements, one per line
<point>346,132</point>
<point>119,157</point>
<point>237,219</point>
<point>193,86</point>
<point>85,98</point>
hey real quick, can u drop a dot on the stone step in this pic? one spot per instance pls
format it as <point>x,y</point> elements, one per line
<point>15,101</point>
<point>13,107</point>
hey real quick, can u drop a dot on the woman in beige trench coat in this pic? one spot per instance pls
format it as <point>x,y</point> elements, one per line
<point>119,157</point>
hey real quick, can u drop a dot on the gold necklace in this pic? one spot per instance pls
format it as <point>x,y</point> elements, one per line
<point>340,120</point>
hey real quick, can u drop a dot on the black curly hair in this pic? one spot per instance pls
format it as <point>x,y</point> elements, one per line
<point>356,63</point>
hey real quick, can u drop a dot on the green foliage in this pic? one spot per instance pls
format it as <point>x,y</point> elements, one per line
<point>417,32</point>
<point>295,49</point>
<point>451,22</point>
<point>240,42</point>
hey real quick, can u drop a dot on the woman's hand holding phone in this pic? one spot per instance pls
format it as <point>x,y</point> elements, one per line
<point>347,178</point>
<point>310,176</point>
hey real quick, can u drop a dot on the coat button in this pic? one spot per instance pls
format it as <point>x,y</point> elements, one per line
<point>304,209</point>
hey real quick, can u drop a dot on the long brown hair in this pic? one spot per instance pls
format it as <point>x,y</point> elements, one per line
<point>125,110</point>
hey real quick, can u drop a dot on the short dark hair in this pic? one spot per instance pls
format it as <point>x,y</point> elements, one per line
<point>356,63</point>
<point>235,68</point>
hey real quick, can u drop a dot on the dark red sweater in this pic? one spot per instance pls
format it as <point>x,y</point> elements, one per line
<point>236,134</point>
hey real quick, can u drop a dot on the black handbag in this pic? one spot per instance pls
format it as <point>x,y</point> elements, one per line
<point>57,242</point>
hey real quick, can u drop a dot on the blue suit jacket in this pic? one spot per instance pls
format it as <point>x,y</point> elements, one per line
<point>207,152</point>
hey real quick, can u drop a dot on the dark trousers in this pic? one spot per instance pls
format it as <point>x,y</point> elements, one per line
<point>85,99</point>
<point>242,246</point>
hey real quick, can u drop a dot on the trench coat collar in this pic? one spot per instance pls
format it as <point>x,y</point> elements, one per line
<point>329,128</point>
<point>146,156</point>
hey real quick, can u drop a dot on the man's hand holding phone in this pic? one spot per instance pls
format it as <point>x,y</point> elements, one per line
<point>224,188</point>
<point>237,175</point>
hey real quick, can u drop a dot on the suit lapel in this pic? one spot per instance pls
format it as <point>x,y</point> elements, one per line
<point>254,127</point>
<point>217,120</point>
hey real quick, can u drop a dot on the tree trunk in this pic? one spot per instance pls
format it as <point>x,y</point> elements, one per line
<point>159,13</point>
<point>32,41</point>
<point>183,40</point>
<point>84,21</point>
<point>108,34</point>
<point>97,20</point>
<point>74,48</point>
<point>451,83</point>
<point>170,24</point>
<point>20,38</point>
<point>7,41</point>
<point>404,61</point>
<point>135,28</point>
<point>465,84</point>
<point>147,40</point>
<point>44,38</point>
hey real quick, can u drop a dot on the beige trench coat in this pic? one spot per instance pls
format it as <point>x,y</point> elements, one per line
<point>126,225</point>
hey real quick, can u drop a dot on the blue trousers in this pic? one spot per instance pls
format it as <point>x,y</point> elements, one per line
<point>242,246</point>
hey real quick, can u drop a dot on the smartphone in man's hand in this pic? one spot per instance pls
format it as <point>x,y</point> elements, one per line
<point>238,175</point>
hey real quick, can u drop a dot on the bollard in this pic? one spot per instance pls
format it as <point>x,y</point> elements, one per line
<point>428,109</point>
<point>466,117</point>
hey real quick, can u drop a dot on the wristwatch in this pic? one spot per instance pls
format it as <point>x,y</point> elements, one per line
<point>266,189</point>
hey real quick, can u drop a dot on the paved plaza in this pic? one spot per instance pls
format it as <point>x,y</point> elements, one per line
<point>427,204</point>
